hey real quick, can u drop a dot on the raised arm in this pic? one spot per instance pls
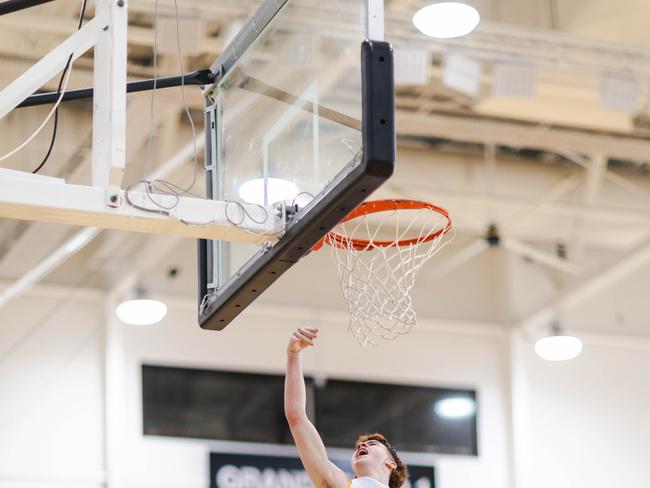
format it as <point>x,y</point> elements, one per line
<point>322,472</point>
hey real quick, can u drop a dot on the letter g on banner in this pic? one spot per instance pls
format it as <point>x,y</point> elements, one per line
<point>228,477</point>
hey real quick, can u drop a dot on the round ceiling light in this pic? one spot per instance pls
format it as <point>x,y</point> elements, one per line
<point>446,20</point>
<point>277,190</point>
<point>558,348</point>
<point>141,311</point>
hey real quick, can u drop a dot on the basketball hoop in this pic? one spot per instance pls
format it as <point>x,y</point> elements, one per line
<point>379,249</point>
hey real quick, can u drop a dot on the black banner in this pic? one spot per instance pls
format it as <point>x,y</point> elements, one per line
<point>260,471</point>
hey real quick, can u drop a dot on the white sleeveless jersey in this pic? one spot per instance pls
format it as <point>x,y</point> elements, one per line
<point>366,482</point>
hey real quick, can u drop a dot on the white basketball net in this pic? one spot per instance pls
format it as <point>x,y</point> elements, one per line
<point>377,280</point>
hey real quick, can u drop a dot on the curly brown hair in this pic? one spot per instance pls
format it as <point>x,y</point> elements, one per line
<point>400,473</point>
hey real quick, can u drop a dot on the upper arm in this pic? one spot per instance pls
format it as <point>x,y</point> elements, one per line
<point>322,472</point>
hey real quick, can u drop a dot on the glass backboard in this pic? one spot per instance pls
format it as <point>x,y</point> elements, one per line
<point>300,121</point>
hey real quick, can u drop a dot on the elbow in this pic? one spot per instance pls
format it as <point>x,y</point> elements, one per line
<point>294,415</point>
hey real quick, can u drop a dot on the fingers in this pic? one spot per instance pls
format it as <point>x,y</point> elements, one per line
<point>306,335</point>
<point>303,338</point>
<point>310,332</point>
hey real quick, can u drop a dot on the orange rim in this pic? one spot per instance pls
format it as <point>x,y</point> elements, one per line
<point>376,206</point>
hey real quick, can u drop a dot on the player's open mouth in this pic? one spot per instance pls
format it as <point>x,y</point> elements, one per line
<point>361,452</point>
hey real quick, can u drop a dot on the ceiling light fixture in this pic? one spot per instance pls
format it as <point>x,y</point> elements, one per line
<point>446,20</point>
<point>277,189</point>
<point>141,310</point>
<point>558,346</point>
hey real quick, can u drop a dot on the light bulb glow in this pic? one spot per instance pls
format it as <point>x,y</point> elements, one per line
<point>455,407</point>
<point>141,311</point>
<point>446,20</point>
<point>277,190</point>
<point>558,348</point>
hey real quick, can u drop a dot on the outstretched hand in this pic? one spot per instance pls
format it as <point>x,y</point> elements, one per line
<point>302,338</point>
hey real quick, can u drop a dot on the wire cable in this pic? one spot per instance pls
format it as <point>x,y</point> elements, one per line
<point>65,77</point>
<point>187,110</point>
<point>154,185</point>
<point>58,92</point>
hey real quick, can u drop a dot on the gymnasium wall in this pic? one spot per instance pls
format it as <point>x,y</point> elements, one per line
<point>51,390</point>
<point>577,424</point>
<point>583,423</point>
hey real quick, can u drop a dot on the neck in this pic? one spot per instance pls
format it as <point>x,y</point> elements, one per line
<point>376,474</point>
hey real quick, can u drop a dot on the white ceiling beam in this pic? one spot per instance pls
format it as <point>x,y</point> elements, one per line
<point>486,130</point>
<point>545,47</point>
<point>539,256</point>
<point>208,10</point>
<point>45,267</point>
<point>519,206</point>
<point>595,177</point>
<point>632,262</point>
<point>542,203</point>
<point>48,25</point>
<point>450,263</point>
<point>612,177</point>
<point>596,172</point>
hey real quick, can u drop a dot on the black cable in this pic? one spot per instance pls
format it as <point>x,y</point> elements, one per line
<point>9,6</point>
<point>56,119</point>
<point>58,93</point>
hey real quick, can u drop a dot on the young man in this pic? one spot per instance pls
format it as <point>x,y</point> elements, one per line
<point>374,461</point>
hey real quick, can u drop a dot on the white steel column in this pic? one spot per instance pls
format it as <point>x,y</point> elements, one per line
<point>109,101</point>
<point>596,172</point>
<point>375,20</point>
<point>114,391</point>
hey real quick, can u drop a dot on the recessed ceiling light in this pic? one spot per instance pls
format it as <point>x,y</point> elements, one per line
<point>445,20</point>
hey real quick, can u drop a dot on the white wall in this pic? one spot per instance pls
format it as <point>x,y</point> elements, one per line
<point>51,381</point>
<point>457,355</point>
<point>577,424</point>
<point>584,423</point>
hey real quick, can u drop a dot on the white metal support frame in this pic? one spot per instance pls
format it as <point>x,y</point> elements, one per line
<point>107,33</point>
<point>52,200</point>
<point>109,101</point>
<point>32,79</point>
<point>83,237</point>
<point>376,20</point>
<point>104,205</point>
